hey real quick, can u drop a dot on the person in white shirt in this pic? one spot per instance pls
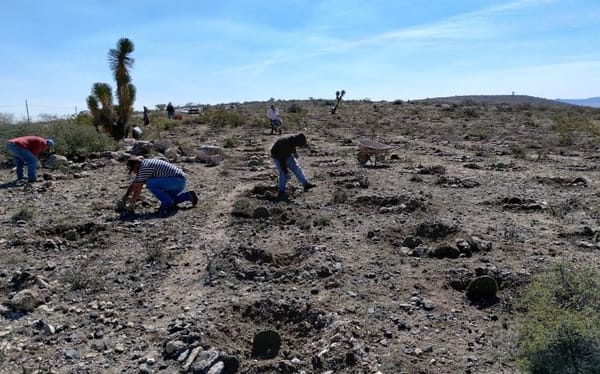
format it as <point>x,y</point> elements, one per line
<point>273,114</point>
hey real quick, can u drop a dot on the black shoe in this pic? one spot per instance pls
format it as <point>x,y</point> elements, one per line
<point>308,186</point>
<point>165,211</point>
<point>193,198</point>
<point>282,196</point>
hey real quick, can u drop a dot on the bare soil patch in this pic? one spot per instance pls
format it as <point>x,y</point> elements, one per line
<point>371,271</point>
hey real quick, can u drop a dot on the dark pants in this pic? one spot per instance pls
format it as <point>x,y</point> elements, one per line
<point>275,125</point>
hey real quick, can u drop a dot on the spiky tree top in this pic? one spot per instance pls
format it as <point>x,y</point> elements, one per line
<point>120,63</point>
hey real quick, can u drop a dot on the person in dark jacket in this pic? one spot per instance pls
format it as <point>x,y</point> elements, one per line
<point>170,110</point>
<point>284,156</point>
<point>146,118</point>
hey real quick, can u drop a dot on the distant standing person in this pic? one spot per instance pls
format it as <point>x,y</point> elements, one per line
<point>170,110</point>
<point>146,118</point>
<point>26,150</point>
<point>165,180</point>
<point>284,156</point>
<point>273,114</point>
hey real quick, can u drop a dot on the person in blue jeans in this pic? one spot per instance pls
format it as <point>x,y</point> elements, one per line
<point>26,150</point>
<point>165,180</point>
<point>284,156</point>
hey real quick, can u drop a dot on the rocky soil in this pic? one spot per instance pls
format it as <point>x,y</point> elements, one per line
<point>412,264</point>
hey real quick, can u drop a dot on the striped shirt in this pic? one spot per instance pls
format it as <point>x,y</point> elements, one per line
<point>153,168</point>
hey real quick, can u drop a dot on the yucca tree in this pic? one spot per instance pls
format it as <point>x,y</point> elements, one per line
<point>100,104</point>
<point>120,63</point>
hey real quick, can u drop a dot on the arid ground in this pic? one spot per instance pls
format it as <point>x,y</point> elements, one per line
<point>367,273</point>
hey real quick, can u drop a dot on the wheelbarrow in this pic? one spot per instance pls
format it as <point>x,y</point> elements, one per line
<point>372,151</point>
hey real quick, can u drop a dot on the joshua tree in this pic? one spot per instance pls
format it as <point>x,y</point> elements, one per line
<point>113,119</point>
<point>100,104</point>
<point>120,63</point>
<point>338,98</point>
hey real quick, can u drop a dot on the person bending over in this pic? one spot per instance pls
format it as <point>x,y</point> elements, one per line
<point>284,156</point>
<point>26,150</point>
<point>165,180</point>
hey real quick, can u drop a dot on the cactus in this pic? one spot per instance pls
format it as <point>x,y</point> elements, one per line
<point>338,99</point>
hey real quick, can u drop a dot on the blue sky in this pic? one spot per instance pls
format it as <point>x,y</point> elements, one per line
<point>51,53</point>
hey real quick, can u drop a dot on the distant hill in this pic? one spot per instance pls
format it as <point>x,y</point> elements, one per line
<point>592,101</point>
<point>496,99</point>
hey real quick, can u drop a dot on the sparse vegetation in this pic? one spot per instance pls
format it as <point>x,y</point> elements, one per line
<point>366,257</point>
<point>23,214</point>
<point>559,323</point>
<point>568,124</point>
<point>218,118</point>
<point>76,141</point>
<point>230,142</point>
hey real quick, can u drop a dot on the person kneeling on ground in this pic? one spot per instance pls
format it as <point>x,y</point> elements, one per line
<point>26,150</point>
<point>284,156</point>
<point>165,180</point>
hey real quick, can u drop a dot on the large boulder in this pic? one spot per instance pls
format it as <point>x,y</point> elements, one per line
<point>210,154</point>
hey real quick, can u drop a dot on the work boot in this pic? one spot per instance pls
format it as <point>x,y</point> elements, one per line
<point>309,186</point>
<point>165,211</point>
<point>193,198</point>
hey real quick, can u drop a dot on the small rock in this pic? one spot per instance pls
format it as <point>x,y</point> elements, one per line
<point>72,354</point>
<point>174,346</point>
<point>72,235</point>
<point>26,300</point>
<point>482,287</point>
<point>266,344</point>
<point>144,369</point>
<point>217,368</point>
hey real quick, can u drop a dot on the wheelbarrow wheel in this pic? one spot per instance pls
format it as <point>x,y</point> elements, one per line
<point>363,157</point>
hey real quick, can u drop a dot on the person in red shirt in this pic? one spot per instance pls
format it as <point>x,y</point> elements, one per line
<point>26,150</point>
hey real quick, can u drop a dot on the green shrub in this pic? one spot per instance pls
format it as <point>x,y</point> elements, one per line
<point>294,108</point>
<point>73,140</point>
<point>220,117</point>
<point>559,323</point>
<point>230,142</point>
<point>261,123</point>
<point>294,121</point>
<point>23,214</point>
<point>567,124</point>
